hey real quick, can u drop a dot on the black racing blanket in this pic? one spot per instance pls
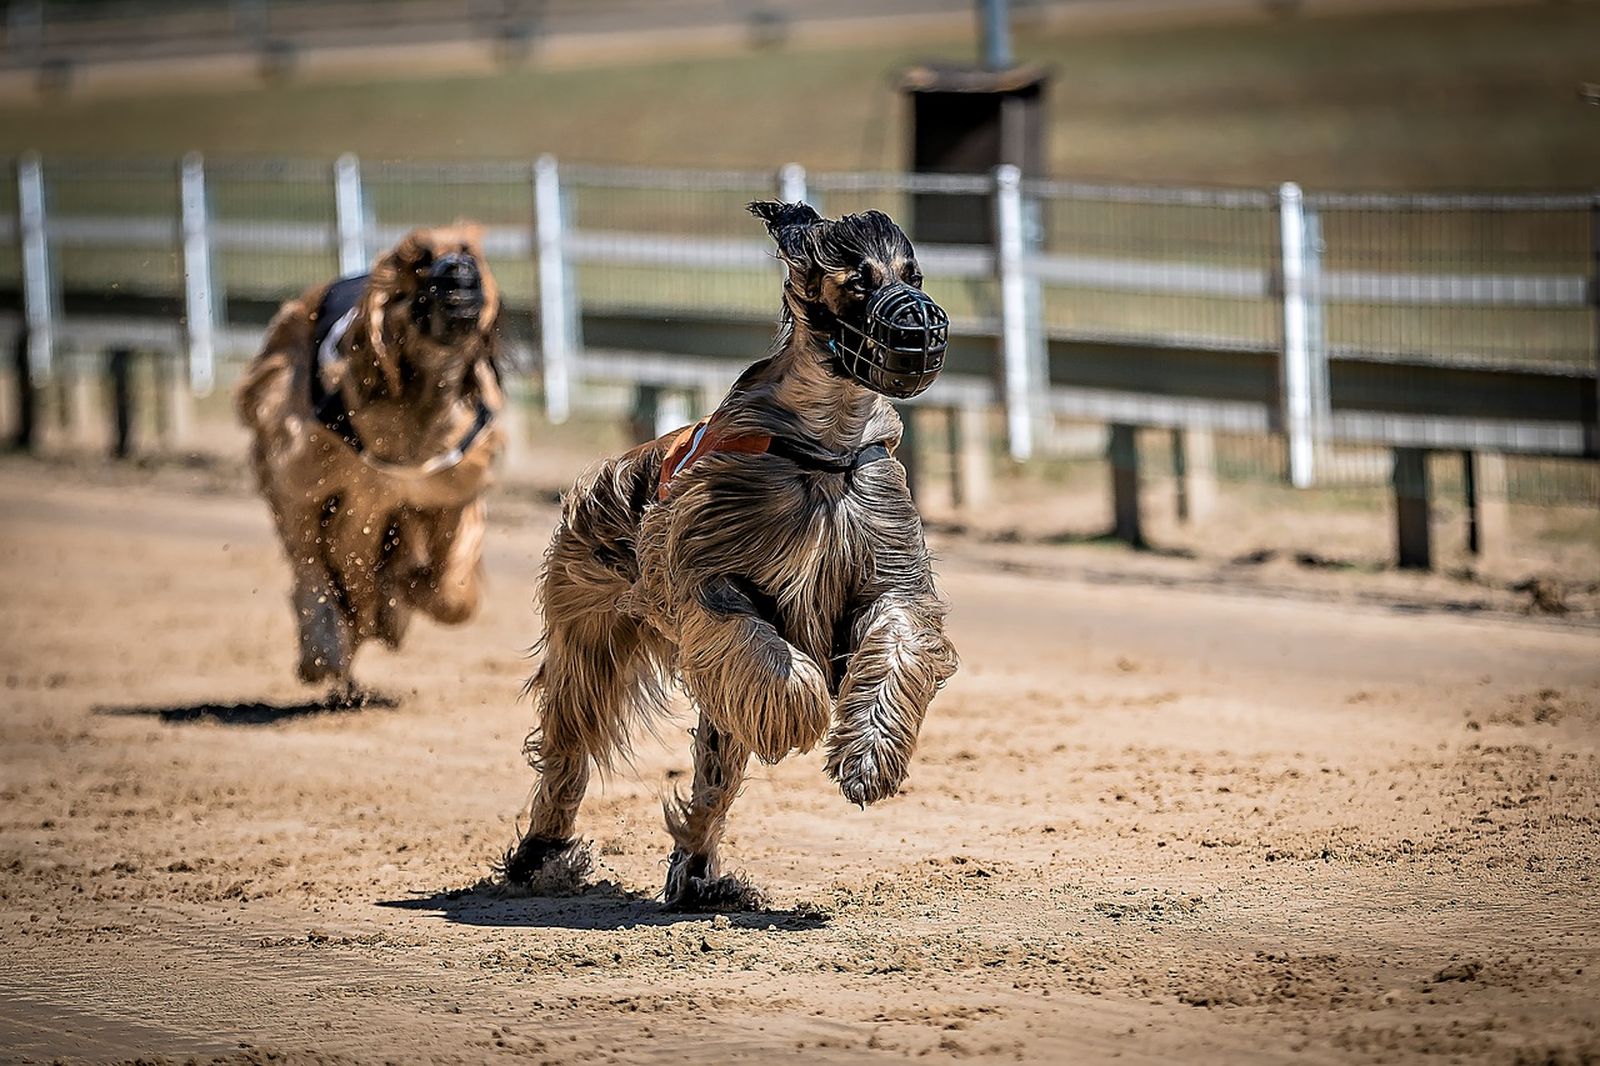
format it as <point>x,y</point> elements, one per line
<point>335,311</point>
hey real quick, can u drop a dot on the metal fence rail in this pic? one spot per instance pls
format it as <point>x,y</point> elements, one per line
<point>1461,322</point>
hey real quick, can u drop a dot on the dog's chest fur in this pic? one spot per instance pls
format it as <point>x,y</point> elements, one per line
<point>798,544</point>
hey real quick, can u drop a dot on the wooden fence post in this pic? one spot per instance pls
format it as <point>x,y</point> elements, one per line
<point>23,411</point>
<point>907,452</point>
<point>1124,455</point>
<point>119,364</point>
<point>1483,483</point>
<point>1411,505</point>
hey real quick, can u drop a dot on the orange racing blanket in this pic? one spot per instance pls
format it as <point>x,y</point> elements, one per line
<point>700,440</point>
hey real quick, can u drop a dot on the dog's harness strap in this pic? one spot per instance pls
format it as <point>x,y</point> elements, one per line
<point>701,439</point>
<point>872,453</point>
<point>813,458</point>
<point>335,315</point>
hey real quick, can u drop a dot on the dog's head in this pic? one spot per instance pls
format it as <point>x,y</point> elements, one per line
<point>430,300</point>
<point>855,281</point>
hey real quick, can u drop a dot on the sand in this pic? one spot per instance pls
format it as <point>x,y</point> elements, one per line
<point>1166,812</point>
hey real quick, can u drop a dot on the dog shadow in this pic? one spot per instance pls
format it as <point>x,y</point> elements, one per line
<point>601,906</point>
<point>257,713</point>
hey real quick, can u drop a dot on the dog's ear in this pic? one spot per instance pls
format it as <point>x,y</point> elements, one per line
<point>414,252</point>
<point>779,216</point>
<point>791,226</point>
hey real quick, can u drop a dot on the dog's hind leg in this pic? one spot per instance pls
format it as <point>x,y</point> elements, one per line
<point>563,780</point>
<point>696,824</point>
<point>899,659</point>
<point>755,685</point>
<point>596,678</point>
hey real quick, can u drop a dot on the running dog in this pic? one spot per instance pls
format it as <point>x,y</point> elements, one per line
<point>372,409</point>
<point>769,556</point>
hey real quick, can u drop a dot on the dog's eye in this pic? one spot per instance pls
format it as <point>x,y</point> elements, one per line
<point>914,279</point>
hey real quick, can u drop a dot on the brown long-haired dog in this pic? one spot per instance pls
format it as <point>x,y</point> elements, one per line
<point>372,408</point>
<point>769,556</point>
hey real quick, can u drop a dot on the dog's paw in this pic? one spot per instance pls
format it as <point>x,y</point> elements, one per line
<point>795,716</point>
<point>541,866</point>
<point>862,776</point>
<point>315,668</point>
<point>326,647</point>
<point>690,887</point>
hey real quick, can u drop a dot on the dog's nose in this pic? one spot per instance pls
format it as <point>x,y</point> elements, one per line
<point>455,288</point>
<point>457,267</point>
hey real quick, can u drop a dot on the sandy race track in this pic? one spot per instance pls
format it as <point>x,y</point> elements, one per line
<point>1155,816</point>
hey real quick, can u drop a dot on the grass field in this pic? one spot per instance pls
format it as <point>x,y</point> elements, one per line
<point>1474,97</point>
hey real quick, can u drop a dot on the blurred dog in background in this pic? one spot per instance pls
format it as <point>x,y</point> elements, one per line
<point>373,409</point>
<point>770,556</point>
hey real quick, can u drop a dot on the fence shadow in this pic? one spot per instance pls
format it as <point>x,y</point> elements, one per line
<point>258,712</point>
<point>603,905</point>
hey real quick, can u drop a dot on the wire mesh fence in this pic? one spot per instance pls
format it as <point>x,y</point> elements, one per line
<point>271,221</point>
<point>1364,322</point>
<point>498,197</point>
<point>1483,280</point>
<point>665,240</point>
<point>1174,266</point>
<point>964,275</point>
<point>108,227</point>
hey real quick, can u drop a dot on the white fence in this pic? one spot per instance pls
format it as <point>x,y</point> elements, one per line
<point>1163,286</point>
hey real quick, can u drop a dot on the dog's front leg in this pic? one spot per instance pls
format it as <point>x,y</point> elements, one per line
<point>355,531</point>
<point>448,588</point>
<point>696,824</point>
<point>900,657</point>
<point>327,641</point>
<point>767,694</point>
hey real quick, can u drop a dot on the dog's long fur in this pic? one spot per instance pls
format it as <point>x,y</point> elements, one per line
<point>792,602</point>
<point>368,543</point>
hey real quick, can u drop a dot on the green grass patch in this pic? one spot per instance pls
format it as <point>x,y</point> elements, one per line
<point>1457,98</point>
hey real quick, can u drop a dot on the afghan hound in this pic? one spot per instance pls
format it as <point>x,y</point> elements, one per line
<point>372,409</point>
<point>769,557</point>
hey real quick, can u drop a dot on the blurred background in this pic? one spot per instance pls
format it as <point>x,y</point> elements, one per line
<point>1308,285</point>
